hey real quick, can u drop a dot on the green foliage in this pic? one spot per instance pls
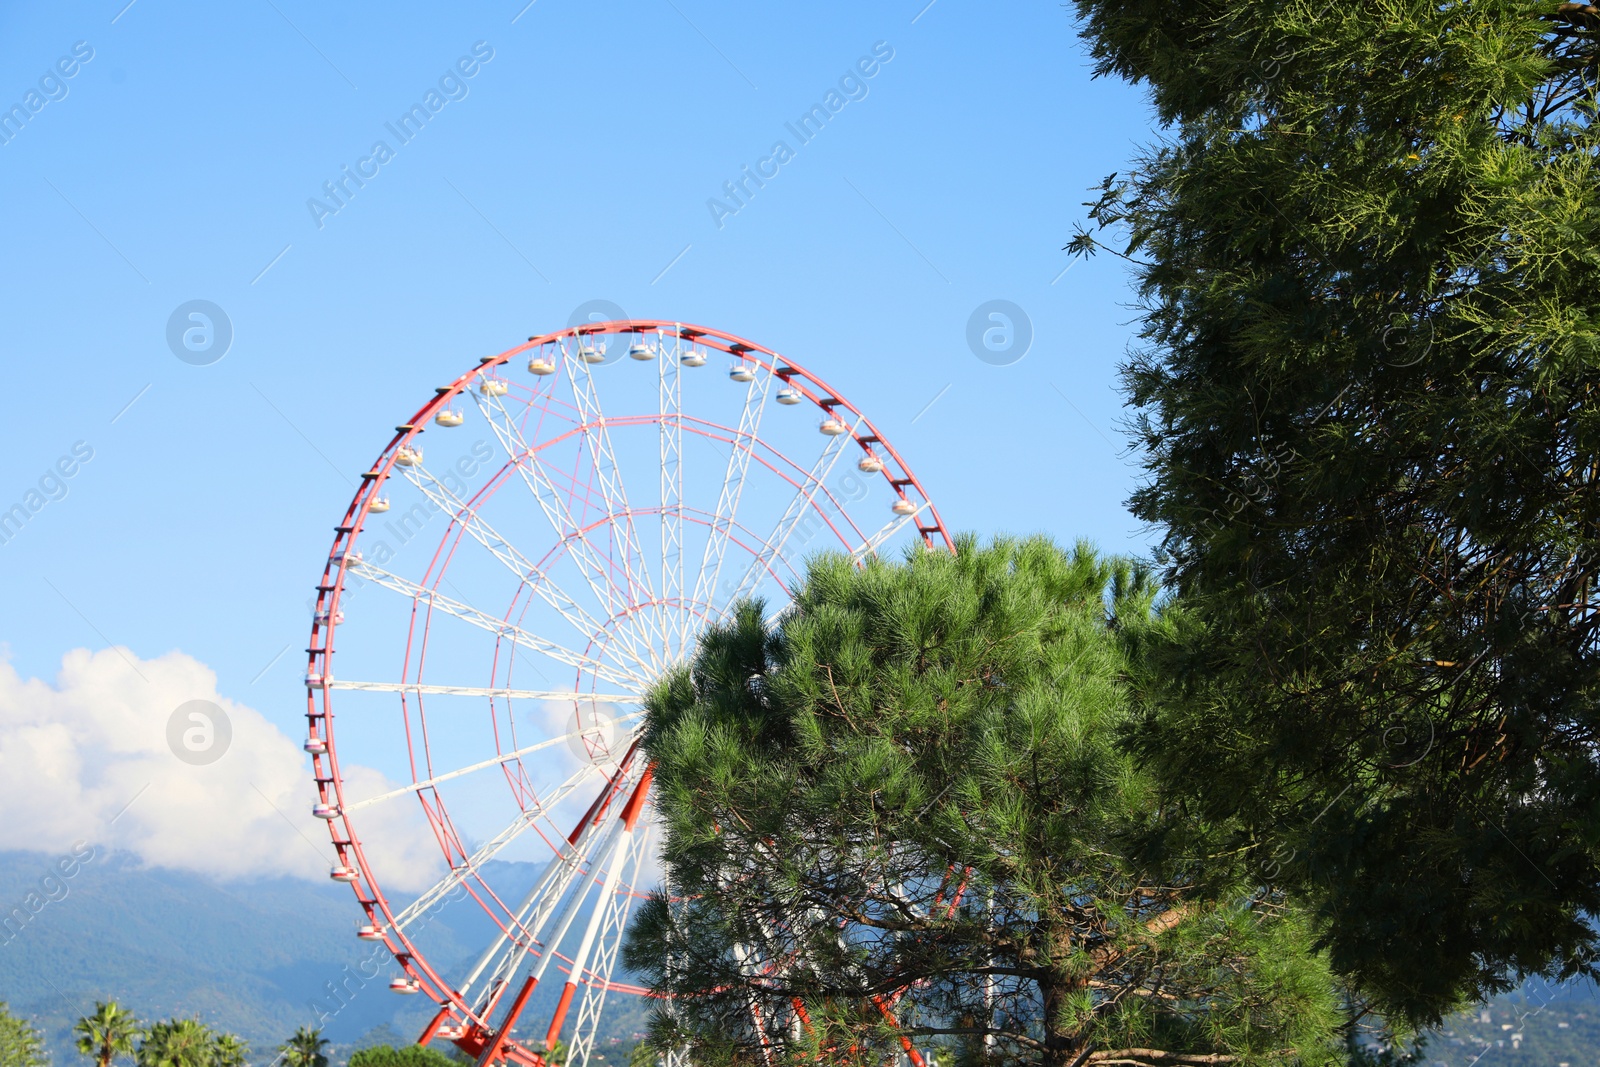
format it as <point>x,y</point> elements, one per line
<point>177,1043</point>
<point>420,1056</point>
<point>108,1033</point>
<point>227,1050</point>
<point>19,1043</point>
<point>903,809</point>
<point>1369,259</point>
<point>174,1042</point>
<point>305,1049</point>
<point>1361,1054</point>
<point>405,1056</point>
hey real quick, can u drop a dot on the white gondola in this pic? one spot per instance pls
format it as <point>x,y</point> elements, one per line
<point>324,619</point>
<point>695,357</point>
<point>406,456</point>
<point>316,746</point>
<point>448,417</point>
<point>342,873</point>
<point>405,985</point>
<point>380,504</point>
<point>641,352</point>
<point>493,387</point>
<point>870,464</point>
<point>341,556</point>
<point>833,427</point>
<point>315,680</point>
<point>742,372</point>
<point>789,395</point>
<point>592,353</point>
<point>325,812</point>
<point>541,365</point>
<point>370,932</point>
<point>903,507</point>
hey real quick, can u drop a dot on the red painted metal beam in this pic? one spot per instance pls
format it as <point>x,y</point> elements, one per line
<point>492,1050</point>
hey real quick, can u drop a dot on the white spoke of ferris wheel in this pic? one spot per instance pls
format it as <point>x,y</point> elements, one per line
<point>429,783</point>
<point>580,379</point>
<point>471,866</point>
<point>460,512</point>
<point>458,874</point>
<point>555,507</point>
<point>618,906</point>
<point>508,951</point>
<point>499,627</point>
<point>802,504</point>
<point>619,858</point>
<point>484,691</point>
<point>671,405</point>
<point>870,546</point>
<point>722,520</point>
<point>517,951</point>
<point>741,956</point>
<point>558,513</point>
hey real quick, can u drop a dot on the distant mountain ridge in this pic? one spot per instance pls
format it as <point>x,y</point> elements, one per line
<point>262,958</point>
<point>258,958</point>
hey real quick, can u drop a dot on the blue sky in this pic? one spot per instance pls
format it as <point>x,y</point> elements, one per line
<point>577,161</point>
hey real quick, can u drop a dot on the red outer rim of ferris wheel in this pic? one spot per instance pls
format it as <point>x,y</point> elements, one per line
<point>319,674</point>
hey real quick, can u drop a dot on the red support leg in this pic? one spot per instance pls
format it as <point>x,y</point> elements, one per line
<point>905,1042</point>
<point>560,1017</point>
<point>433,1027</point>
<point>491,1052</point>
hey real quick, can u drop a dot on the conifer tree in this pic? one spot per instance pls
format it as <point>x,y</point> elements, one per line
<point>898,817</point>
<point>1368,250</point>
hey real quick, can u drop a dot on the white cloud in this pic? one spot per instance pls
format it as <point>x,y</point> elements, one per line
<point>74,754</point>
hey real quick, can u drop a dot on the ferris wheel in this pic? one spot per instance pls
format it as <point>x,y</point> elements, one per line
<point>500,598</point>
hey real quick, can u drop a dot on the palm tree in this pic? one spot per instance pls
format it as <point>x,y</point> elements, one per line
<point>177,1043</point>
<point>228,1051</point>
<point>108,1033</point>
<point>304,1049</point>
<point>19,1042</point>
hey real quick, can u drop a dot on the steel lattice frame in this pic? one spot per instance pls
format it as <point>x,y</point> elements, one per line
<point>640,618</point>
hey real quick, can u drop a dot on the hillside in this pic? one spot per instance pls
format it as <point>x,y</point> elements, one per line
<point>258,959</point>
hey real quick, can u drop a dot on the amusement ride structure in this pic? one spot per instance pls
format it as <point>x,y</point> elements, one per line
<point>495,605</point>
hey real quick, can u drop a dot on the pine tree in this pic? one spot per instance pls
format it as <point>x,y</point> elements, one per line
<point>1368,250</point>
<point>900,814</point>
